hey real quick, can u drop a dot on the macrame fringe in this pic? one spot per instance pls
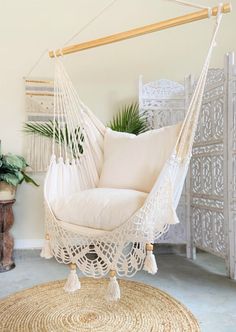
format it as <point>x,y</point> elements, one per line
<point>113,289</point>
<point>46,251</point>
<point>39,150</point>
<point>150,264</point>
<point>72,283</point>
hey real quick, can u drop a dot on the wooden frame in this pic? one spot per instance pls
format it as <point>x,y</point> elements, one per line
<point>188,18</point>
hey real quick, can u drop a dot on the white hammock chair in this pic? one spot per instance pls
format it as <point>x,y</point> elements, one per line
<point>76,164</point>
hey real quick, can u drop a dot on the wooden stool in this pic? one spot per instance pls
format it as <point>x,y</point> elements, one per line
<point>6,239</point>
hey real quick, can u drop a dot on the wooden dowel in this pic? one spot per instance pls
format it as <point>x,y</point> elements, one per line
<point>43,94</point>
<point>149,247</point>
<point>39,81</point>
<point>192,17</point>
<point>72,266</point>
<point>112,273</point>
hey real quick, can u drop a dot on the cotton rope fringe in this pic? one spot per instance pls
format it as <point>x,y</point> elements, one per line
<point>72,283</point>
<point>46,251</point>
<point>113,289</point>
<point>39,151</point>
<point>150,264</point>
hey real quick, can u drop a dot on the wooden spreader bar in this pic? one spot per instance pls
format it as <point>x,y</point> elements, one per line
<point>180,20</point>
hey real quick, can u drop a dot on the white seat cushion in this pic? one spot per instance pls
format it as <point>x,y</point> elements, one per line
<point>135,162</point>
<point>99,208</point>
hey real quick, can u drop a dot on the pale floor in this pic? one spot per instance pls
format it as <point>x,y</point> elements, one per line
<point>201,285</point>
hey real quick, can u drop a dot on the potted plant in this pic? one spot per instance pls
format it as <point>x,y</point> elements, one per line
<point>12,173</point>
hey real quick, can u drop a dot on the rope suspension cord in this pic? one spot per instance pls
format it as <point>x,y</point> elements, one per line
<point>90,21</point>
<point>184,149</point>
<point>71,142</point>
<point>180,20</point>
<point>189,4</point>
<point>37,61</point>
<point>83,28</point>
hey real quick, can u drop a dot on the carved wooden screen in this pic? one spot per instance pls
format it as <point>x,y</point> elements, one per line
<point>207,208</point>
<point>163,103</point>
<point>207,169</point>
<point>213,168</point>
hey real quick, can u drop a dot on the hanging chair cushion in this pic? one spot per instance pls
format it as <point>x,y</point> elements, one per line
<point>99,208</point>
<point>134,162</point>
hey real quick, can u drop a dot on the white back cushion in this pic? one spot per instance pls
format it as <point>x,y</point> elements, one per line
<point>135,162</point>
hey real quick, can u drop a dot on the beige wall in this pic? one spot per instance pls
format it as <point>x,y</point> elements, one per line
<point>106,77</point>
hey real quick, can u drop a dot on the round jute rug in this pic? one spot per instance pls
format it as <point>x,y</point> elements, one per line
<point>47,308</point>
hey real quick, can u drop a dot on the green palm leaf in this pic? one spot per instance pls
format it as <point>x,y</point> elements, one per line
<point>61,134</point>
<point>129,120</point>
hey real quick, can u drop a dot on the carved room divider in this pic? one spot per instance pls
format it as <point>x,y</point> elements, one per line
<point>207,208</point>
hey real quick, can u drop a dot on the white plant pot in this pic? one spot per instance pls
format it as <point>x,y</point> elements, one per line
<point>7,191</point>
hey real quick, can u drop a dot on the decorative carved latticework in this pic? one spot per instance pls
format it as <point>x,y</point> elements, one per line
<point>207,170</point>
<point>163,103</point>
<point>207,208</point>
<point>213,168</point>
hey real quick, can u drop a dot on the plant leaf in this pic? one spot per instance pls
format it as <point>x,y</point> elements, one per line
<point>29,179</point>
<point>129,120</point>
<point>13,162</point>
<point>62,133</point>
<point>9,178</point>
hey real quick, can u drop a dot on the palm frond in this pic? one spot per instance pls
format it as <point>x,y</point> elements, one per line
<point>43,129</point>
<point>62,135</point>
<point>129,120</point>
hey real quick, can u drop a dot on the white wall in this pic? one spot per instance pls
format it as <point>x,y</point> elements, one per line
<point>106,77</point>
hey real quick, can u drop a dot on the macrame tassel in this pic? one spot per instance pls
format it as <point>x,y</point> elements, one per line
<point>46,251</point>
<point>113,290</point>
<point>72,283</point>
<point>150,264</point>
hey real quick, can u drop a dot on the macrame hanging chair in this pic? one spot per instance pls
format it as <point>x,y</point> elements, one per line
<point>75,169</point>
